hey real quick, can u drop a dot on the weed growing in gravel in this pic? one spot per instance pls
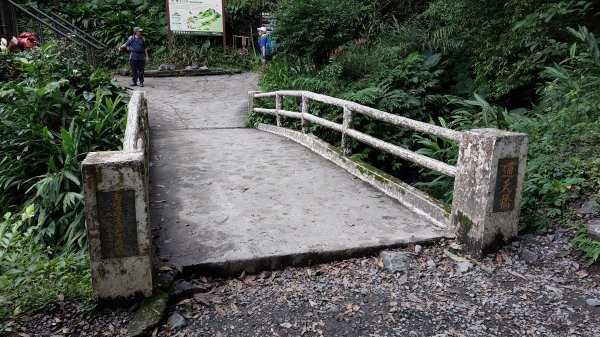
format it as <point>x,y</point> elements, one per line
<point>585,244</point>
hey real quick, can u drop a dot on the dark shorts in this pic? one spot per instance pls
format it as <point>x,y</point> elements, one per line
<point>266,60</point>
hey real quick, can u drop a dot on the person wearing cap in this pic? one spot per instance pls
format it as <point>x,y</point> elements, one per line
<point>262,43</point>
<point>139,55</point>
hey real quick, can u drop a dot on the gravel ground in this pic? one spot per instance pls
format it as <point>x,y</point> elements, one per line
<point>528,289</point>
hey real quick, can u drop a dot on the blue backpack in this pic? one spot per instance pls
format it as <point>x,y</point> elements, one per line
<point>270,47</point>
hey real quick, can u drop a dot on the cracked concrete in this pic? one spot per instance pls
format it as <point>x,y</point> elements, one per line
<point>226,199</point>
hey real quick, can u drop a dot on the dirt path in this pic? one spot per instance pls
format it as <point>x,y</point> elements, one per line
<point>524,290</point>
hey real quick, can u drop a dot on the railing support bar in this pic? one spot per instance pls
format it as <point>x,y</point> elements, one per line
<point>346,125</point>
<point>278,106</point>
<point>305,110</point>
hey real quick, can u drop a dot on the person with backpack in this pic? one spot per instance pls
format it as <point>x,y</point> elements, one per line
<point>266,48</point>
<point>139,55</point>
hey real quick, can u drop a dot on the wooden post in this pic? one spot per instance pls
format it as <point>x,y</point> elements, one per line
<point>346,124</point>
<point>169,32</point>
<point>305,110</point>
<point>278,106</point>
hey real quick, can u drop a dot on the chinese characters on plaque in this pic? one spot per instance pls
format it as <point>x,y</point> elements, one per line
<point>506,185</point>
<point>118,224</point>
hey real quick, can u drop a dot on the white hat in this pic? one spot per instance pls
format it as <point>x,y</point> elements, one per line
<point>262,29</point>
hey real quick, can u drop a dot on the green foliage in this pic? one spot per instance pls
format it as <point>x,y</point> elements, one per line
<point>31,275</point>
<point>56,111</point>
<point>314,28</point>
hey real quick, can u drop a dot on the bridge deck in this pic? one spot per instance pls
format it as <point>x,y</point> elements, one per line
<point>228,199</point>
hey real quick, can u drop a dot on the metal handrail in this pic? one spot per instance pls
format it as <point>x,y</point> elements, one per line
<point>346,127</point>
<point>68,26</point>
<point>69,32</point>
<point>39,20</point>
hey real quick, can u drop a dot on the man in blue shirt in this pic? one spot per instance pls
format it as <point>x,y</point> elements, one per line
<point>139,55</point>
<point>263,44</point>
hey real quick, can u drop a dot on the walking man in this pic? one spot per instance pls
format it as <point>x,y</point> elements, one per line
<point>266,54</point>
<point>139,55</point>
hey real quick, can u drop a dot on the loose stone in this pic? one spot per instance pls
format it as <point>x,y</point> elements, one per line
<point>396,261</point>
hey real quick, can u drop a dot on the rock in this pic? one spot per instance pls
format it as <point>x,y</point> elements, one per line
<point>164,281</point>
<point>529,256</point>
<point>593,302</point>
<point>464,266</point>
<point>431,264</point>
<point>149,314</point>
<point>589,206</point>
<point>396,261</point>
<point>286,325</point>
<point>188,68</point>
<point>418,249</point>
<point>555,293</point>
<point>516,244</point>
<point>166,66</point>
<point>204,68</point>
<point>333,309</point>
<point>176,322</point>
<point>594,230</point>
<point>184,288</point>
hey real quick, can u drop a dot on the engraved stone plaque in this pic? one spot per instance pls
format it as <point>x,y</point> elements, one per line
<point>118,224</point>
<point>506,185</point>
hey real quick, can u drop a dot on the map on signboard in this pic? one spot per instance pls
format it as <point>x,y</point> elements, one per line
<point>203,17</point>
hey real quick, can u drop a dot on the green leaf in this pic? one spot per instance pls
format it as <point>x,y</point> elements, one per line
<point>72,177</point>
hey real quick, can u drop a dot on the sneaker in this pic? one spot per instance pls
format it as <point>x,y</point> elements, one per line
<point>142,85</point>
<point>133,84</point>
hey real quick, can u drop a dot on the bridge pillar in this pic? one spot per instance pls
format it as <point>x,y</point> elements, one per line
<point>119,232</point>
<point>487,188</point>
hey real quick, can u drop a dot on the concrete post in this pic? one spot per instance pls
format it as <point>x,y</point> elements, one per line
<point>119,229</point>
<point>346,124</point>
<point>305,110</point>
<point>252,101</point>
<point>487,188</point>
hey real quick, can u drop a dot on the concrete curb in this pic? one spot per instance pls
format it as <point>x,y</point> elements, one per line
<point>417,201</point>
<point>277,262</point>
<point>191,72</point>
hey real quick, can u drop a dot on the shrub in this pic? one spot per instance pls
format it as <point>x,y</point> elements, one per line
<point>314,28</point>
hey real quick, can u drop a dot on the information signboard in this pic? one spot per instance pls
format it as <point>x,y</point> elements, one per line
<point>198,17</point>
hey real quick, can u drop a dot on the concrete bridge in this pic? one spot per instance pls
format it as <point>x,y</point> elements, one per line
<point>224,199</point>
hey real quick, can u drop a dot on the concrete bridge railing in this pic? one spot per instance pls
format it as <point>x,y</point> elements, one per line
<point>117,209</point>
<point>488,178</point>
